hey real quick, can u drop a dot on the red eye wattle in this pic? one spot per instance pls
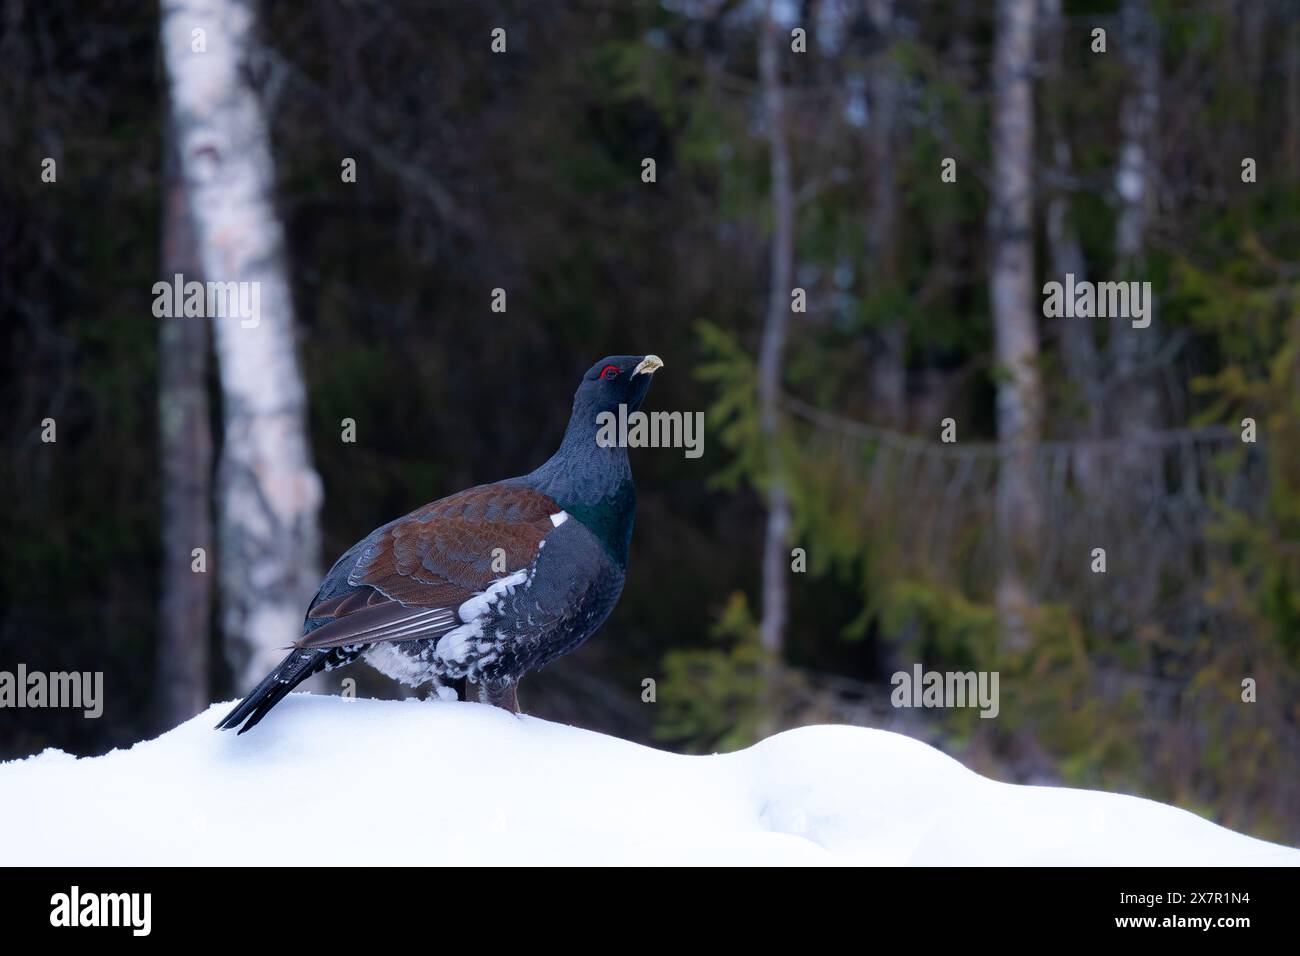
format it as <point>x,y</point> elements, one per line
<point>609,371</point>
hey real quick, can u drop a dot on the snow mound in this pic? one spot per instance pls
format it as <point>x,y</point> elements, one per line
<point>326,780</point>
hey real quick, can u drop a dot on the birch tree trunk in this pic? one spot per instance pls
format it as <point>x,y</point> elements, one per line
<point>269,494</point>
<point>1011,286</point>
<point>775,553</point>
<point>185,446</point>
<point>1135,394</point>
<point>1132,349</point>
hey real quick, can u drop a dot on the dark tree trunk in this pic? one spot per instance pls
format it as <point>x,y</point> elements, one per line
<point>1078,342</point>
<point>185,446</point>
<point>887,368</point>
<point>776,539</point>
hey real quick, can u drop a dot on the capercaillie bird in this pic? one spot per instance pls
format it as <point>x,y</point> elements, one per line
<point>488,584</point>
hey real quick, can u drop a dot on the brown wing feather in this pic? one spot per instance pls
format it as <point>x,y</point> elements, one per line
<point>443,552</point>
<point>435,558</point>
<point>348,603</point>
<point>388,621</point>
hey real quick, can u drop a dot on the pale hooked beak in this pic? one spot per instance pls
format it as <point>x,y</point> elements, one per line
<point>650,364</point>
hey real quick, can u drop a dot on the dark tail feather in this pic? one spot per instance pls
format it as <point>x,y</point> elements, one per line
<point>291,672</point>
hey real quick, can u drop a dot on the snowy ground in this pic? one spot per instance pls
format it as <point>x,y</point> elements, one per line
<point>325,780</point>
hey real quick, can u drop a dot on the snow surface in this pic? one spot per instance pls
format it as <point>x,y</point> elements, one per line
<point>325,780</point>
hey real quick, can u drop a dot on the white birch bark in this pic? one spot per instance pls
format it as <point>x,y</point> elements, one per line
<point>1014,306</point>
<point>1132,349</point>
<point>269,494</point>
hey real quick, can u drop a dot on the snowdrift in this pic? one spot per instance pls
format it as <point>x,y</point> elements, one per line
<point>325,780</point>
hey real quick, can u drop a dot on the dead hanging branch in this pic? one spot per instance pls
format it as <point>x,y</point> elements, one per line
<point>933,505</point>
<point>993,449</point>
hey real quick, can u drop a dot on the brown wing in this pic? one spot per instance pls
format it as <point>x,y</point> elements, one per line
<point>408,577</point>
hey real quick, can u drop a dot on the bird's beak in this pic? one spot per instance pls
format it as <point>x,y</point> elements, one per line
<point>649,365</point>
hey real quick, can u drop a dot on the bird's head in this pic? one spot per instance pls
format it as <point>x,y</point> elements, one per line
<point>616,380</point>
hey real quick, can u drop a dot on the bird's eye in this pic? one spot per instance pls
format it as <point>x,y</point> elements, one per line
<point>609,371</point>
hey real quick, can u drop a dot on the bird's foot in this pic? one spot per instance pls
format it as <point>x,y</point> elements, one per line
<point>500,693</point>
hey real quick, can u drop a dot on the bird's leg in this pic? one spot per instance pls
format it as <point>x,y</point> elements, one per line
<point>462,688</point>
<point>500,693</point>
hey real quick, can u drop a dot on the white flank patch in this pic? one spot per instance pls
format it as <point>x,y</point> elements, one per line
<point>455,645</point>
<point>559,518</point>
<point>478,605</point>
<point>392,663</point>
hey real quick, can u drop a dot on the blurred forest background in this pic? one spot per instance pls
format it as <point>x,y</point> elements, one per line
<point>795,145</point>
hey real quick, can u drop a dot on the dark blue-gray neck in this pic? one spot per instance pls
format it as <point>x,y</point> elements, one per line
<point>591,483</point>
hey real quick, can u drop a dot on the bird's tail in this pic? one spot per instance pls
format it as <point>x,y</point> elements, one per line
<point>292,671</point>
